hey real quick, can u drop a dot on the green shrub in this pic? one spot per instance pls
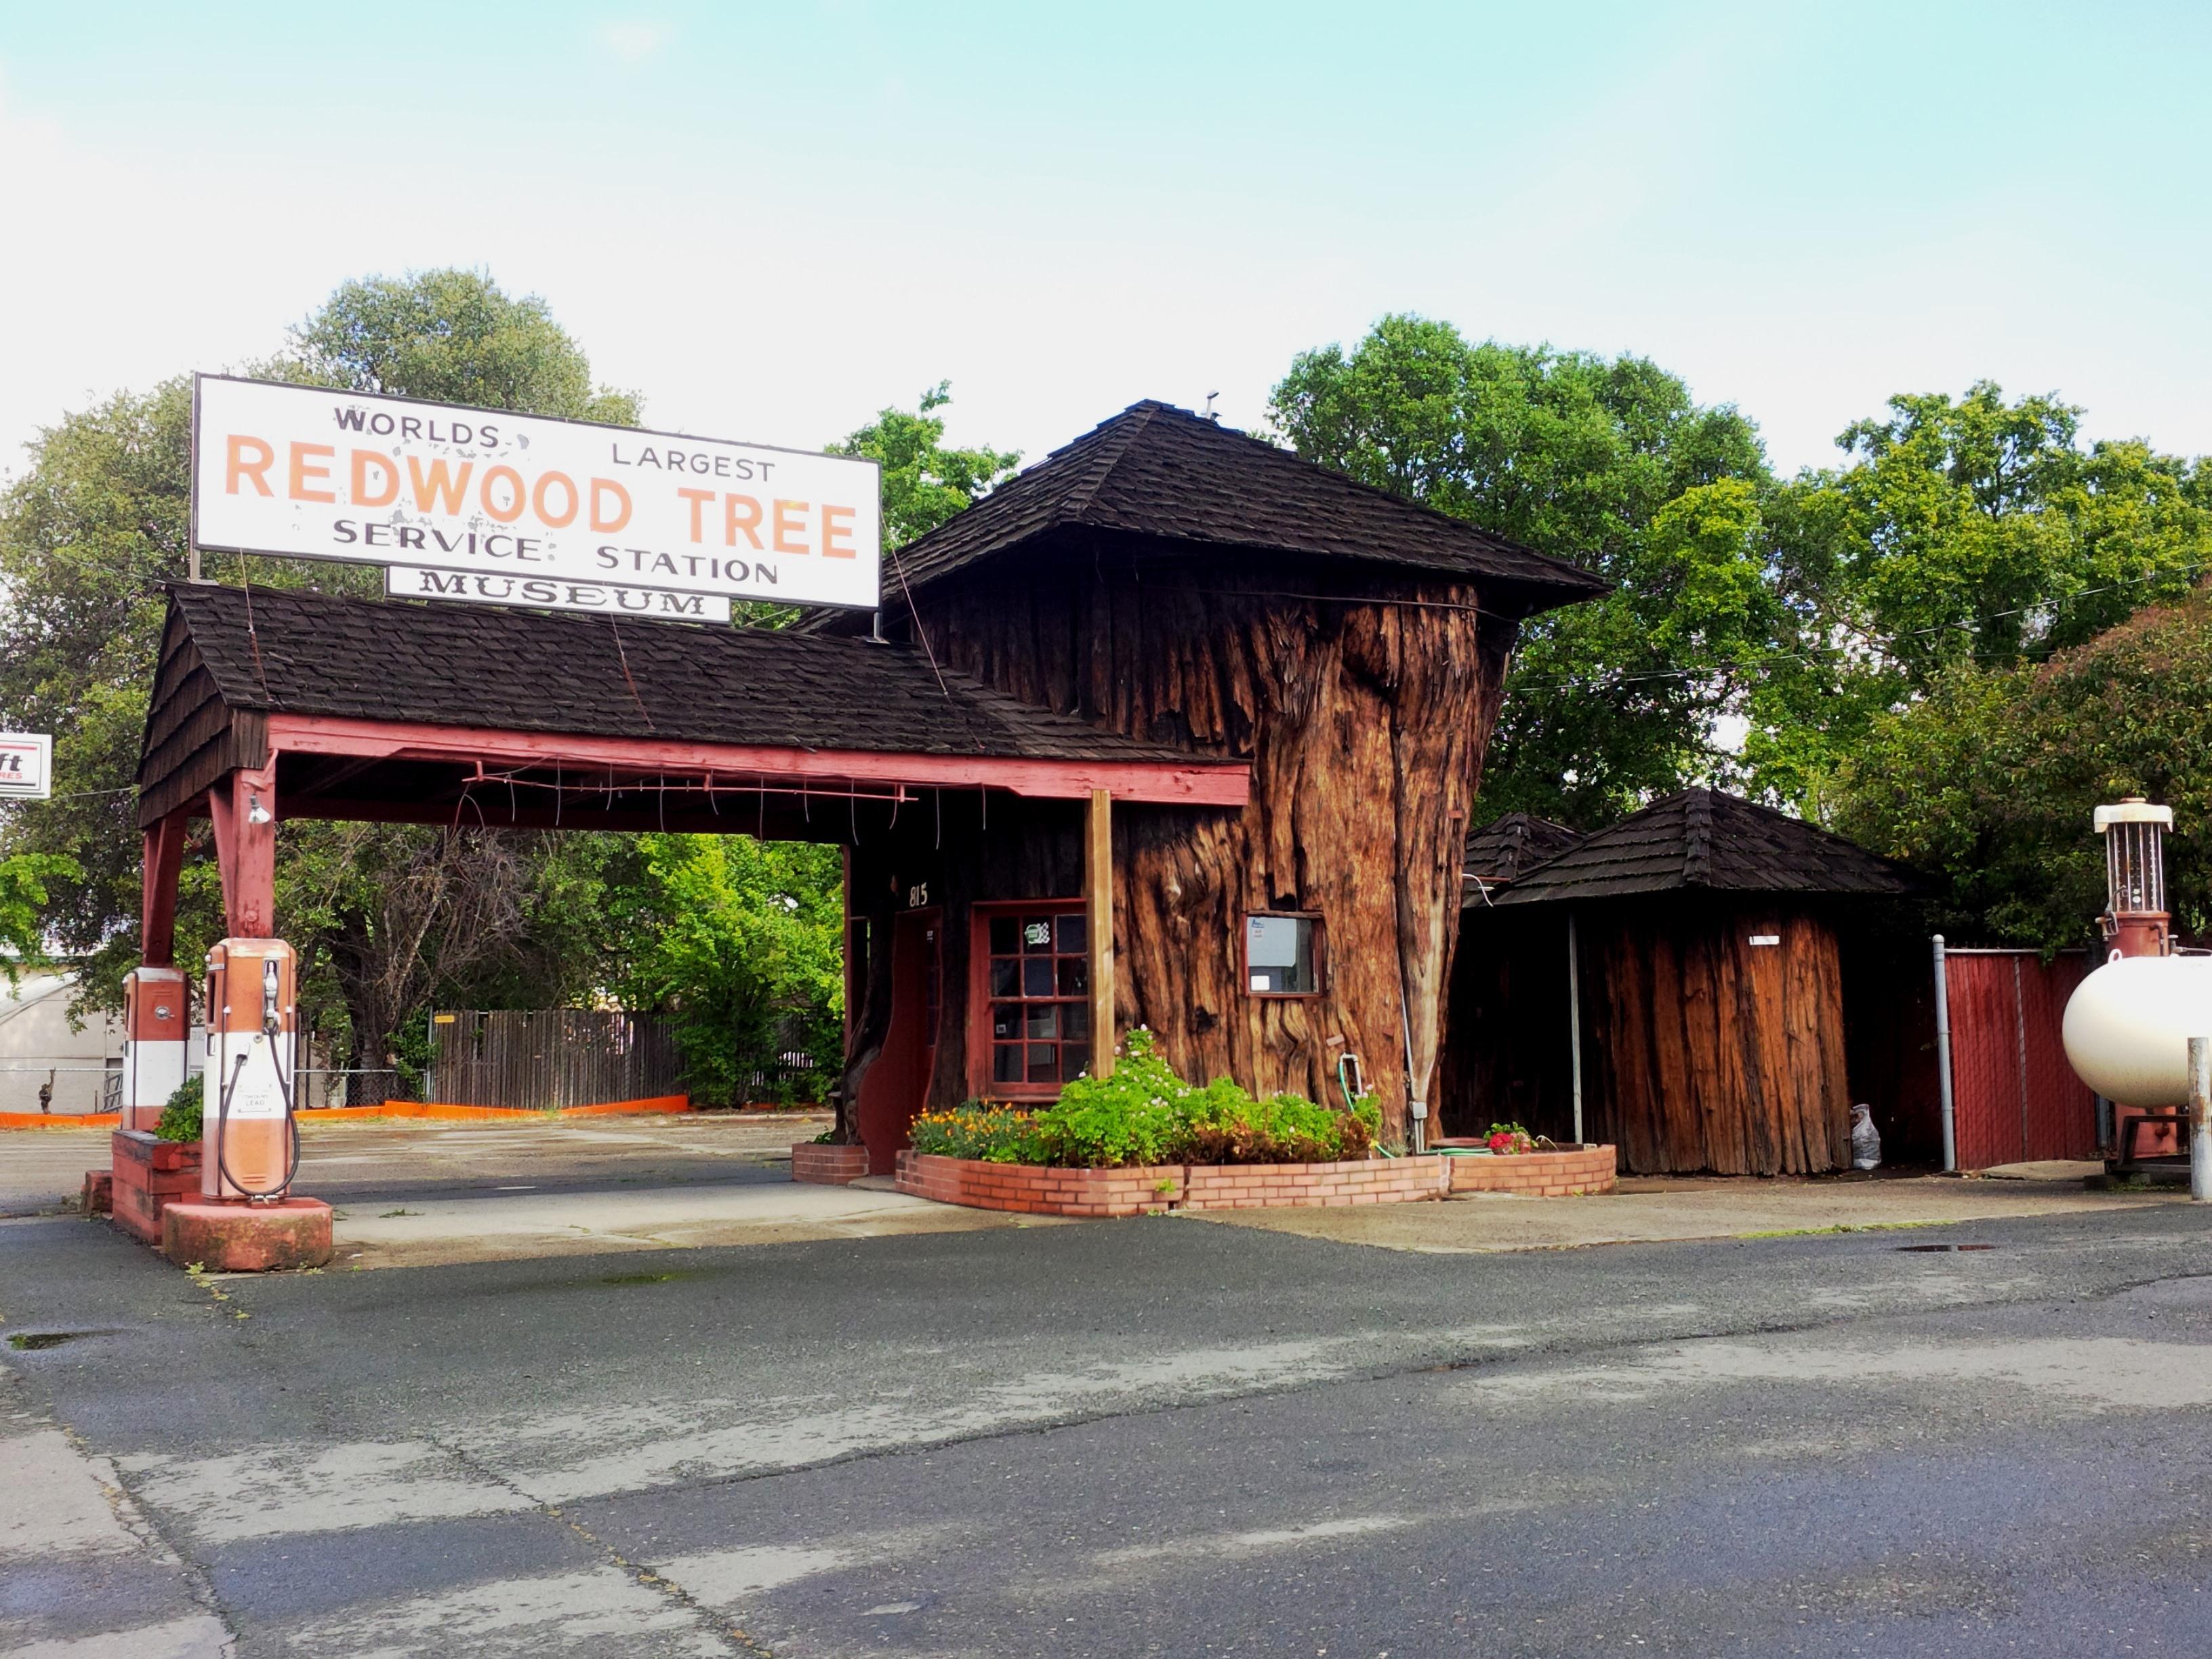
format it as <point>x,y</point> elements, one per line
<point>1146,1115</point>
<point>180,1118</point>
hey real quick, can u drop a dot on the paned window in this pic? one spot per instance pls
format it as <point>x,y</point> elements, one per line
<point>1036,997</point>
<point>1282,956</point>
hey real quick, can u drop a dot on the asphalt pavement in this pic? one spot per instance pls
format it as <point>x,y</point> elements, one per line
<point>1155,1437</point>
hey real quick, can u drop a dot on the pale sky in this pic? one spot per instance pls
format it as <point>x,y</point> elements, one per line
<point>773,220</point>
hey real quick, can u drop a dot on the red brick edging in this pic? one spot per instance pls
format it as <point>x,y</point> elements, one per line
<point>1536,1174</point>
<point>1037,1190</point>
<point>828,1164</point>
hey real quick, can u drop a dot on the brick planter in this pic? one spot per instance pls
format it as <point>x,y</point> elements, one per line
<point>1036,1190</point>
<point>1262,1186</point>
<point>827,1165</point>
<point>147,1177</point>
<point>1040,1191</point>
<point>1536,1175</point>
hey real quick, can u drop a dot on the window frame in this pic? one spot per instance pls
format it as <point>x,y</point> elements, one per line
<point>1320,952</point>
<point>981,914</point>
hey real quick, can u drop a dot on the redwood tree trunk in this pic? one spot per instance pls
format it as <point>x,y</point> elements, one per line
<point>1365,718</point>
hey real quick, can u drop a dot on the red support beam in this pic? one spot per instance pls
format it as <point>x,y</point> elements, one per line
<point>245,850</point>
<point>1194,782</point>
<point>157,891</point>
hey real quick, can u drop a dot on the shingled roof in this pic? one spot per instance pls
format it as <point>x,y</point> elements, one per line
<point>1504,849</point>
<point>1705,838</point>
<point>319,653</point>
<point>1157,471</point>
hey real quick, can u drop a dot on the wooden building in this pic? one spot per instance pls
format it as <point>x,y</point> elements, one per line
<point>1174,729</point>
<point>1726,962</point>
<point>1179,584</point>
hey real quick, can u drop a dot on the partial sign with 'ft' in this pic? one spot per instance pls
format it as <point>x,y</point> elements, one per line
<point>303,472</point>
<point>26,766</point>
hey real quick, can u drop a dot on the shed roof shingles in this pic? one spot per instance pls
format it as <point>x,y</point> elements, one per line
<point>318,654</point>
<point>1508,847</point>
<point>1707,839</point>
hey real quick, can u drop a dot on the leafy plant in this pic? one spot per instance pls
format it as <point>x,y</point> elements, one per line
<point>1146,1115</point>
<point>182,1116</point>
<point>995,1134</point>
<point>1510,1137</point>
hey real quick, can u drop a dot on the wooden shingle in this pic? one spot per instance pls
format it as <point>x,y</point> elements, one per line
<point>1710,840</point>
<point>1165,474</point>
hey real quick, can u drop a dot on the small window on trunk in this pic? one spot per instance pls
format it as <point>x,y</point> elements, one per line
<point>1279,956</point>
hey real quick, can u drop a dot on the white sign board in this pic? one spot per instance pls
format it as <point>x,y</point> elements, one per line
<point>553,593</point>
<point>306,473</point>
<point>26,766</point>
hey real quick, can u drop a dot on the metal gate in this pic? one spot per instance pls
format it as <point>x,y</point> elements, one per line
<point>2014,1099</point>
<point>551,1057</point>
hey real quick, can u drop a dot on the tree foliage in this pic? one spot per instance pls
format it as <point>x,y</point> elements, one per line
<point>924,483</point>
<point>1608,462</point>
<point>452,337</point>
<point>23,880</point>
<point>1966,533</point>
<point>1989,780</point>
<point>89,532</point>
<point>741,941</point>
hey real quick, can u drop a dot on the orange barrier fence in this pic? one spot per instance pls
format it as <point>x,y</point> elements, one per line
<point>416,1109</point>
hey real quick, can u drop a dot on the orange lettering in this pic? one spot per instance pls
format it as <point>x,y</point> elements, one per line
<point>698,498</point>
<point>544,513</point>
<point>518,495</point>
<point>604,518</point>
<point>831,529</point>
<point>740,513</point>
<point>439,490</point>
<point>386,492</point>
<point>255,469</point>
<point>304,472</point>
<point>785,525</point>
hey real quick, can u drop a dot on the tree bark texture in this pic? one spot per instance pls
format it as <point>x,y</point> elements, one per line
<point>1365,711</point>
<point>1707,1052</point>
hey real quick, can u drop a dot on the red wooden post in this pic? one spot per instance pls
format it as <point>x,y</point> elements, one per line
<point>157,898</point>
<point>244,807</point>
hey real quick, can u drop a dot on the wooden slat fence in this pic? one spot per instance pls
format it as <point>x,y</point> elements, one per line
<point>548,1058</point>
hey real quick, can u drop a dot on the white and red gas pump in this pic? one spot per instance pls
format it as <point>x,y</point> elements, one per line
<point>156,1025</point>
<point>2128,1024</point>
<point>250,1146</point>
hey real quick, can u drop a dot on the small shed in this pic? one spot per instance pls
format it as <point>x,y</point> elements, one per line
<point>1691,959</point>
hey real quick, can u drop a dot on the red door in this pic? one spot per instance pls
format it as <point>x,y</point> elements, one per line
<point>895,1087</point>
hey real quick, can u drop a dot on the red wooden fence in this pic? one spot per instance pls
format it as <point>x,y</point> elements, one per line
<point>2014,1099</point>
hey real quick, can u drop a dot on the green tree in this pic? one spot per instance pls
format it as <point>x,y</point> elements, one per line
<point>1608,462</point>
<point>452,337</point>
<point>924,483</point>
<point>23,880</point>
<point>741,941</point>
<point>98,521</point>
<point>1987,781</point>
<point>1966,532</point>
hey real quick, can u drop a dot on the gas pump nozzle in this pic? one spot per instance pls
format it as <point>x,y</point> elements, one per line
<point>269,995</point>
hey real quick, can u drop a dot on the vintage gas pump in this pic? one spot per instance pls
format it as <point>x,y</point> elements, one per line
<point>2128,1024</point>
<point>2135,921</point>
<point>250,1146</point>
<point>156,1021</point>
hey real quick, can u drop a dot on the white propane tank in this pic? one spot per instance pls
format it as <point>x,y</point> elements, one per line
<point>2128,1027</point>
